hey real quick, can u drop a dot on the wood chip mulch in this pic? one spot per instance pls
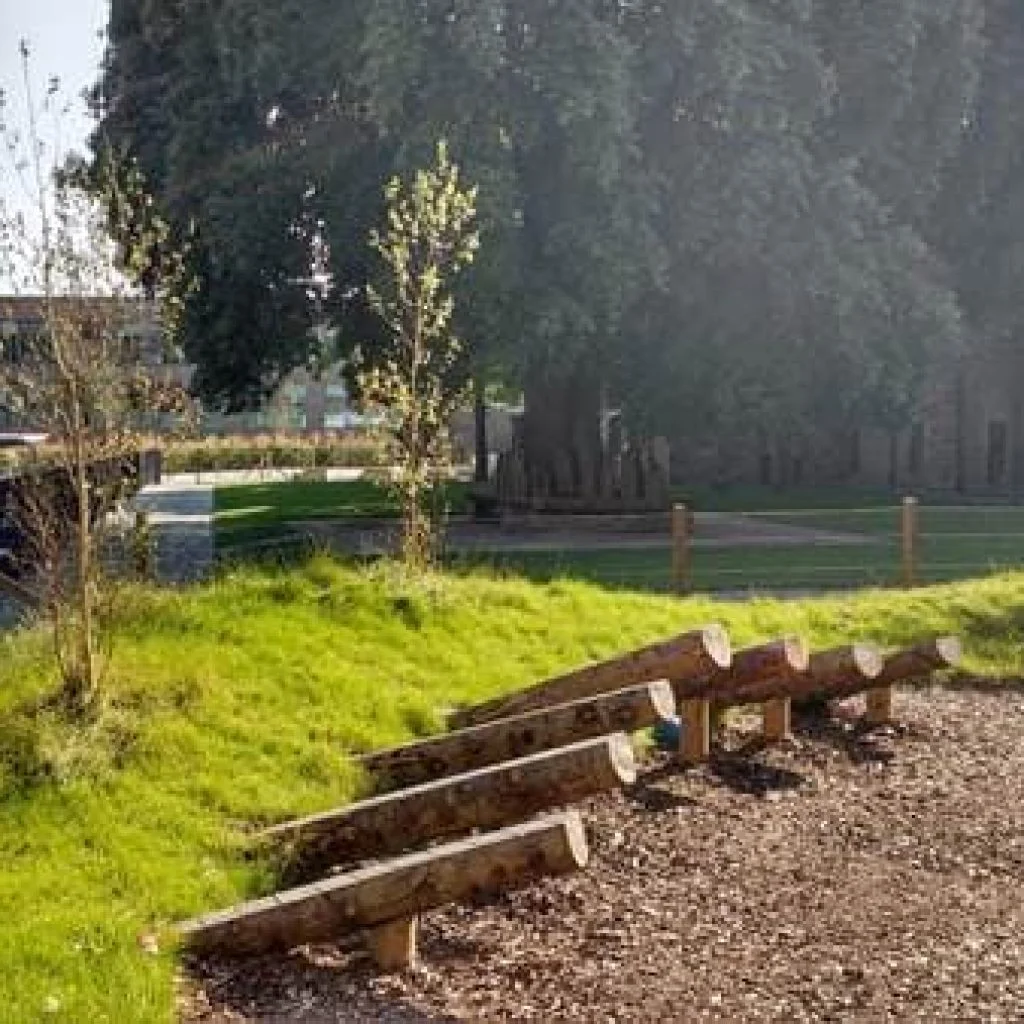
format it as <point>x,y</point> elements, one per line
<point>844,876</point>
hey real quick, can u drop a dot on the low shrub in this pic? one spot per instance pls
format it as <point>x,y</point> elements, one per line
<point>269,451</point>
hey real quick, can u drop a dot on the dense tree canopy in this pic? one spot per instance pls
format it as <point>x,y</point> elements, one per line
<point>772,210</point>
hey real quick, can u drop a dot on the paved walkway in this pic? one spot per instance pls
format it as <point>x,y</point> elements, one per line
<point>181,516</point>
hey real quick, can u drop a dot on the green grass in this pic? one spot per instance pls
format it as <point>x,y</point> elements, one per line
<point>955,543</point>
<point>256,511</point>
<point>233,705</point>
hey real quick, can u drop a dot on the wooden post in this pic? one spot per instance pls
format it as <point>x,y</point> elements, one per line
<point>879,706</point>
<point>394,890</point>
<point>393,945</point>
<point>776,719</point>
<point>627,710</point>
<point>695,734</point>
<point>908,534</point>
<point>681,581</point>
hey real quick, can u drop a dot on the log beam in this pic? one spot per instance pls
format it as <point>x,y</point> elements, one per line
<point>697,654</point>
<point>916,662</point>
<point>857,665</point>
<point>396,890</point>
<point>627,710</point>
<point>484,799</point>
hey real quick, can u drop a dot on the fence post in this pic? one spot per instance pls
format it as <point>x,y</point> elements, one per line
<point>680,549</point>
<point>908,533</point>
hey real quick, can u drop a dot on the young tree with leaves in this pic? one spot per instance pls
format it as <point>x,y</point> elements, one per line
<point>430,236</point>
<point>70,376</point>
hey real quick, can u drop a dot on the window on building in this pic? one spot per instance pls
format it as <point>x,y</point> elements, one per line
<point>915,458</point>
<point>997,452</point>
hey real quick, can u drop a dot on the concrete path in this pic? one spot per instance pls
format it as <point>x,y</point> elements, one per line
<point>181,516</point>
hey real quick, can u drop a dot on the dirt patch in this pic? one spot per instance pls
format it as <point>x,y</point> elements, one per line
<point>844,876</point>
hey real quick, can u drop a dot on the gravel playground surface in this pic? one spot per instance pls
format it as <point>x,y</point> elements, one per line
<point>843,876</point>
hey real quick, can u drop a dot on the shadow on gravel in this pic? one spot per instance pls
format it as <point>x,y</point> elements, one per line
<point>965,681</point>
<point>303,987</point>
<point>741,773</point>
<point>655,800</point>
<point>861,743</point>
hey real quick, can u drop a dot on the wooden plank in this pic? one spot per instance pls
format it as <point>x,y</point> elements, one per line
<point>696,654</point>
<point>627,710</point>
<point>483,799</point>
<point>394,890</point>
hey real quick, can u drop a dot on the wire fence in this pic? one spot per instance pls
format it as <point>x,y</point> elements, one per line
<point>739,552</point>
<point>796,550</point>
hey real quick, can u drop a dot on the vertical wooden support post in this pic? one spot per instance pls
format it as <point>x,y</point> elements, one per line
<point>680,549</point>
<point>879,706</point>
<point>695,735</point>
<point>908,534</point>
<point>776,719</point>
<point>393,945</point>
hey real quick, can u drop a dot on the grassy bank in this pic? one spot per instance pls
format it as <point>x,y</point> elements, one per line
<point>232,705</point>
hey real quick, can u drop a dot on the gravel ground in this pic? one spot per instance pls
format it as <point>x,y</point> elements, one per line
<point>841,877</point>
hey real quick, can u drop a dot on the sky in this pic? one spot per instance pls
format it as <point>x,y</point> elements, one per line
<point>64,38</point>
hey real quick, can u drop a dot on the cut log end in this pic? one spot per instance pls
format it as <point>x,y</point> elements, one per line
<point>663,699</point>
<point>717,646</point>
<point>577,847</point>
<point>949,651</point>
<point>796,653</point>
<point>621,759</point>
<point>860,659</point>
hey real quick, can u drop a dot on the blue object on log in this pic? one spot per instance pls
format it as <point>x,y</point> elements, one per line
<point>666,734</point>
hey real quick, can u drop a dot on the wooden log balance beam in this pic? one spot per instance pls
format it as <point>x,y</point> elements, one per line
<point>917,662</point>
<point>387,897</point>
<point>488,798</point>
<point>696,654</point>
<point>783,659</point>
<point>627,710</point>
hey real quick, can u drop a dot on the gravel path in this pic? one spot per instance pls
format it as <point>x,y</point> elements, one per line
<point>181,515</point>
<point>840,877</point>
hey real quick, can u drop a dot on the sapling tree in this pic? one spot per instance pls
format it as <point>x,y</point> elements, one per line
<point>67,370</point>
<point>413,378</point>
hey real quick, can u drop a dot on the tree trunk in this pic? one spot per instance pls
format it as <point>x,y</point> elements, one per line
<point>488,798</point>
<point>629,710</point>
<point>562,436</point>
<point>481,471</point>
<point>394,890</point>
<point>690,655</point>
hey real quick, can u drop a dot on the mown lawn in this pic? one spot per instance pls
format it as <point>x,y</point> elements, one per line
<point>233,704</point>
<point>253,511</point>
<point>955,542</point>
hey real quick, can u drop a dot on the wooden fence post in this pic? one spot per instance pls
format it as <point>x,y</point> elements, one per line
<point>680,549</point>
<point>908,534</point>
